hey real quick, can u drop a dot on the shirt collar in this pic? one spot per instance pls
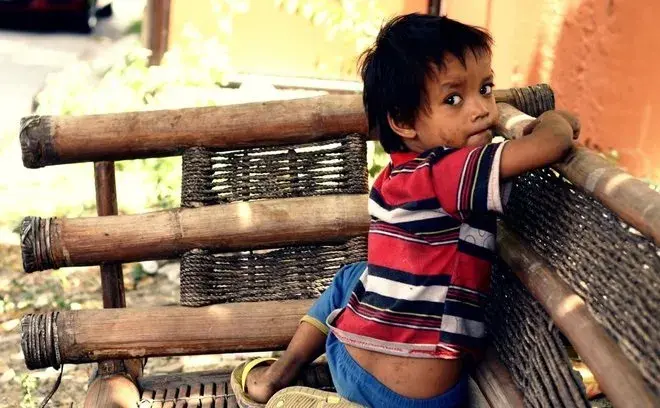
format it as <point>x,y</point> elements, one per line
<point>399,158</point>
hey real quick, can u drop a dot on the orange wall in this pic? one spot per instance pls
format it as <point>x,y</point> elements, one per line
<point>268,40</point>
<point>598,55</point>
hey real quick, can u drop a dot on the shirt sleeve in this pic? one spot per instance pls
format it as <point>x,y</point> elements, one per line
<point>467,181</point>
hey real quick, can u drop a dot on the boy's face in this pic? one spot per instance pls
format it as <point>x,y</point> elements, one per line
<point>461,106</point>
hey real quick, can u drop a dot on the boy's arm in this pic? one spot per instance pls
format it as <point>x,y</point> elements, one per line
<point>546,140</point>
<point>307,344</point>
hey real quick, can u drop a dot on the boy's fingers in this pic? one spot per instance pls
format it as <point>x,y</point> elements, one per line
<point>573,121</point>
<point>529,128</point>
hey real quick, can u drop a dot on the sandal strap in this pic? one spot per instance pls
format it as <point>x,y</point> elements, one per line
<point>250,365</point>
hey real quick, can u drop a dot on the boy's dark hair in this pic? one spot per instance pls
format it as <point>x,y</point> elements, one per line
<point>394,70</point>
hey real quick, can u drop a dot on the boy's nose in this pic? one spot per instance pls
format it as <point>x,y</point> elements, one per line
<point>479,110</point>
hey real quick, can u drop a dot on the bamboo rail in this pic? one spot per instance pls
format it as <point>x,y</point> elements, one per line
<point>619,379</point>
<point>49,140</point>
<point>84,336</point>
<point>630,198</point>
<point>54,242</point>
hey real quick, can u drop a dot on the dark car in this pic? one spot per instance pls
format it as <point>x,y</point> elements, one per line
<point>79,15</point>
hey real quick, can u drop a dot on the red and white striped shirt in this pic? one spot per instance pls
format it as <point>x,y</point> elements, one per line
<point>431,247</point>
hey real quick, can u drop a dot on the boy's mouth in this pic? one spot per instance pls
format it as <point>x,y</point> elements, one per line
<point>481,137</point>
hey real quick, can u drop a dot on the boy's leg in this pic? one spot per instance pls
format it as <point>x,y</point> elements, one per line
<point>307,344</point>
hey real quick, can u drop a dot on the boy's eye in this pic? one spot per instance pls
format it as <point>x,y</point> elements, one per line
<point>453,100</point>
<point>487,89</point>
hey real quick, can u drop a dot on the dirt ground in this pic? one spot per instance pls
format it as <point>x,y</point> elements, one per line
<point>75,288</point>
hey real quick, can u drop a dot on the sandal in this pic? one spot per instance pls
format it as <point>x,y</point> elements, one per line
<point>306,397</point>
<point>313,388</point>
<point>238,379</point>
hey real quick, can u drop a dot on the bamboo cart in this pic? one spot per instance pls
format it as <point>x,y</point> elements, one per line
<point>274,201</point>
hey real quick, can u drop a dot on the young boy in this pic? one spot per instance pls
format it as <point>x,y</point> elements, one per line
<point>398,329</point>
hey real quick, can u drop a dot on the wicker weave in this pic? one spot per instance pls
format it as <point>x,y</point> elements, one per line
<point>278,274</point>
<point>331,167</point>
<point>530,346</point>
<point>615,270</point>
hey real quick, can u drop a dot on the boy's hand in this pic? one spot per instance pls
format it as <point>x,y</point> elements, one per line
<point>558,122</point>
<point>545,140</point>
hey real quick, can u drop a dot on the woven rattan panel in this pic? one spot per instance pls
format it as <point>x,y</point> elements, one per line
<point>530,346</point>
<point>336,166</point>
<point>213,177</point>
<point>614,269</point>
<point>278,274</point>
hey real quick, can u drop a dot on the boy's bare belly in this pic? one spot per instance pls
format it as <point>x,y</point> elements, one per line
<point>407,376</point>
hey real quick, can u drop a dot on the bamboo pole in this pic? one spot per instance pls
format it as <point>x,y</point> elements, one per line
<point>157,29</point>
<point>84,336</point>
<point>617,376</point>
<point>496,384</point>
<point>49,140</point>
<point>53,243</point>
<point>112,276</point>
<point>630,198</point>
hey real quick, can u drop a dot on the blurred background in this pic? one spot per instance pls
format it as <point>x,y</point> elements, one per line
<point>79,57</point>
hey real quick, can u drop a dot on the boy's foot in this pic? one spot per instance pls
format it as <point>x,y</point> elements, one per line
<point>251,373</point>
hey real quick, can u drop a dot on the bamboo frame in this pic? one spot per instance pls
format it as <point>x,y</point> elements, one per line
<point>53,242</point>
<point>50,140</point>
<point>112,276</point>
<point>619,379</point>
<point>86,336</point>
<point>630,198</point>
<point>496,384</point>
<point>93,335</point>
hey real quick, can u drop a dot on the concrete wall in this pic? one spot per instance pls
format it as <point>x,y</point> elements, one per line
<point>600,57</point>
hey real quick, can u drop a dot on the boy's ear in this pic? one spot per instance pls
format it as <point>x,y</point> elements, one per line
<point>401,129</point>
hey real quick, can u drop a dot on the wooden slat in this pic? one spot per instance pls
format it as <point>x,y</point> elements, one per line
<point>195,396</point>
<point>165,234</point>
<point>158,398</point>
<point>92,335</point>
<point>170,397</point>
<point>630,198</point>
<point>619,379</point>
<point>49,140</point>
<point>182,394</point>
<point>231,398</point>
<point>209,393</point>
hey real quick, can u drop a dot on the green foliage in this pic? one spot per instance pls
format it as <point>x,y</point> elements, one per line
<point>377,159</point>
<point>192,74</point>
<point>134,28</point>
<point>29,383</point>
<point>189,75</point>
<point>357,21</point>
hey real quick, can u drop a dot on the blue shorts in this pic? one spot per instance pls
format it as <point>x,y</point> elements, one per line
<point>350,379</point>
